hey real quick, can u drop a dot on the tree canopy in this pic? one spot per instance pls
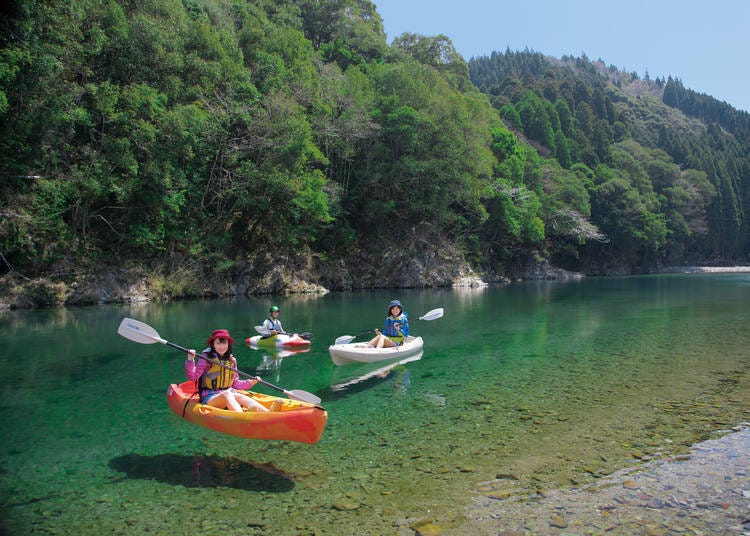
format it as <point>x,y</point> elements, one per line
<point>155,132</point>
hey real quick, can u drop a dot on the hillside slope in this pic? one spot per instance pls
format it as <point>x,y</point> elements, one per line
<point>154,150</point>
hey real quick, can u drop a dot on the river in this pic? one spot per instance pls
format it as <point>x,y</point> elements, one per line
<point>537,386</point>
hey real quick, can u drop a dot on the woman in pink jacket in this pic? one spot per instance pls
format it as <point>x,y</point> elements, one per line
<point>217,384</point>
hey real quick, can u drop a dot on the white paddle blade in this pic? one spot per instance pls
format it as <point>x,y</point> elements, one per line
<point>344,339</point>
<point>139,332</point>
<point>303,396</point>
<point>433,315</point>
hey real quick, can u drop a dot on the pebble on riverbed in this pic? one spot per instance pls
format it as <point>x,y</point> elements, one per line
<point>558,522</point>
<point>345,505</point>
<point>429,530</point>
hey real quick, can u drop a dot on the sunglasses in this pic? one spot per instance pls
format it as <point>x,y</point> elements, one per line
<point>222,340</point>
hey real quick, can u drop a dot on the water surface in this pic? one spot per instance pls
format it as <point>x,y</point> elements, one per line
<point>551,384</point>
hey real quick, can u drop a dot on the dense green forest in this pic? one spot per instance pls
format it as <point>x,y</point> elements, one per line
<point>666,170</point>
<point>201,137</point>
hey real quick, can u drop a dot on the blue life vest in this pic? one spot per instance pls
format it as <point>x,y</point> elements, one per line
<point>389,327</point>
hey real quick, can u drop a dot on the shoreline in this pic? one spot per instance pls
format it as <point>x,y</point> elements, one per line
<point>704,269</point>
<point>704,492</point>
<point>41,293</point>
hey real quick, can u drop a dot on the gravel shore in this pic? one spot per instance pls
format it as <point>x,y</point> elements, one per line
<point>704,493</point>
<point>706,269</point>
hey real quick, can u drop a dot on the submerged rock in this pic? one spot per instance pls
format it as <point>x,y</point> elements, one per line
<point>472,282</point>
<point>429,530</point>
<point>558,522</point>
<point>345,505</point>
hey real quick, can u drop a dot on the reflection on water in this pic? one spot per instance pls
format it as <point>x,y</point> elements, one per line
<point>271,360</point>
<point>349,379</point>
<point>549,383</point>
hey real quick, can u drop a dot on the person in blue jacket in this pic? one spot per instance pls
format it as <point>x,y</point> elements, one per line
<point>395,328</point>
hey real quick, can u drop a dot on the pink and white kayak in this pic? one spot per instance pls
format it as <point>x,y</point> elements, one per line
<point>277,341</point>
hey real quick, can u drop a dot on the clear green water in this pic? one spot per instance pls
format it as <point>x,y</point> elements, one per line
<point>552,383</point>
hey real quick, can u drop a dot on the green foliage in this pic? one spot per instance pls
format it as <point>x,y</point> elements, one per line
<point>685,183</point>
<point>430,160</point>
<point>511,157</point>
<point>217,130</point>
<point>439,53</point>
<point>627,215</point>
<point>344,31</point>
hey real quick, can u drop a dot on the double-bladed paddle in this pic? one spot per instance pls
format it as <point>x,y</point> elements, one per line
<point>137,331</point>
<point>430,315</point>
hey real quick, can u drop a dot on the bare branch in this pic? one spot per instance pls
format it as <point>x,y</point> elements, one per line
<point>572,223</point>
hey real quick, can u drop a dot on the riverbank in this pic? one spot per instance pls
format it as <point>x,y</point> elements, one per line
<point>138,286</point>
<point>705,269</point>
<point>705,492</point>
<point>114,284</point>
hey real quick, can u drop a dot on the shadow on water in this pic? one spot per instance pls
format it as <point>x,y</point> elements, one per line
<point>204,472</point>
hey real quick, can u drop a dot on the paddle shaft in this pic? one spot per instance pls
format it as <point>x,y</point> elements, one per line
<point>137,331</point>
<point>265,333</point>
<point>222,365</point>
<point>430,315</point>
<point>269,335</point>
<point>305,334</point>
<point>363,333</point>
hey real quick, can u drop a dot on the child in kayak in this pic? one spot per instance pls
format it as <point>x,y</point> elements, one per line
<point>395,328</point>
<point>272,323</point>
<point>217,385</point>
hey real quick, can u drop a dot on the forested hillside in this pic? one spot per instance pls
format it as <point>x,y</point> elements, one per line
<point>199,143</point>
<point>666,170</point>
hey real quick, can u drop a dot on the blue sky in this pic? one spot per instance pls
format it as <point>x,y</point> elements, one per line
<point>705,44</point>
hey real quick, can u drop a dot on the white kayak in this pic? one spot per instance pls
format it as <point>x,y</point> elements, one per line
<point>343,354</point>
